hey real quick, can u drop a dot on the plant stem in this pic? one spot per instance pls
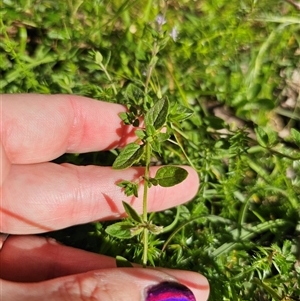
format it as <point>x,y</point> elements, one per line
<point>145,206</point>
<point>109,78</point>
<point>145,249</point>
<point>155,51</point>
<point>151,66</point>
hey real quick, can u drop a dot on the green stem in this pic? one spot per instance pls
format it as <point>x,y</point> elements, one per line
<point>145,206</point>
<point>155,51</point>
<point>174,223</point>
<point>145,249</point>
<point>177,142</point>
<point>151,66</point>
<point>109,78</point>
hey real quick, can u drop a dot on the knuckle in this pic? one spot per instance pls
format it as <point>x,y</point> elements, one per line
<point>83,287</point>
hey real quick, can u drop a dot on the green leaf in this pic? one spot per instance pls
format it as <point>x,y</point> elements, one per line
<point>120,230</point>
<point>272,138</point>
<point>98,57</point>
<point>179,113</point>
<point>156,146</point>
<point>161,137</point>
<point>122,262</point>
<point>136,230</point>
<point>262,136</point>
<point>130,188</point>
<point>130,117</point>
<point>157,115</point>
<point>296,136</point>
<point>163,42</point>
<point>132,213</point>
<point>133,93</point>
<point>128,156</point>
<point>253,91</point>
<point>265,104</point>
<point>153,181</point>
<point>141,134</point>
<point>168,176</point>
<point>152,31</point>
<point>150,130</point>
<point>126,118</point>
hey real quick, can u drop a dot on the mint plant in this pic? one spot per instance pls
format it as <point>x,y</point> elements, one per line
<point>158,122</point>
<point>159,118</point>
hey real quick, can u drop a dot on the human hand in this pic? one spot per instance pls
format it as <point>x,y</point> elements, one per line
<point>39,196</point>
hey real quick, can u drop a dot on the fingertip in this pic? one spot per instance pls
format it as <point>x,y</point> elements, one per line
<point>129,284</point>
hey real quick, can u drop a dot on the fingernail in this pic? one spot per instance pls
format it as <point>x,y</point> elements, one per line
<point>170,291</point>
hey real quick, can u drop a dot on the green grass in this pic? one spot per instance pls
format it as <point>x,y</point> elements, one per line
<point>238,59</point>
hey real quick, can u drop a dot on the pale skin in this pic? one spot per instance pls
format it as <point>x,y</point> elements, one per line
<point>38,196</point>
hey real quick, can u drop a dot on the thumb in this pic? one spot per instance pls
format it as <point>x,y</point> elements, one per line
<point>117,284</point>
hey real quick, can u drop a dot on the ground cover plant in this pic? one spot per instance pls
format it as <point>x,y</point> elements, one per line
<point>235,65</point>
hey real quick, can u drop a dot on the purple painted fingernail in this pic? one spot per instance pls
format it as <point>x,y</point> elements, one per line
<point>170,291</point>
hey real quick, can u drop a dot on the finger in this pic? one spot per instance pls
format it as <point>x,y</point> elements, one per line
<point>47,196</point>
<point>33,259</point>
<point>126,284</point>
<point>38,128</point>
<point>36,259</point>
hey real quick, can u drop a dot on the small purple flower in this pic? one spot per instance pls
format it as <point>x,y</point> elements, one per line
<point>160,20</point>
<point>174,34</point>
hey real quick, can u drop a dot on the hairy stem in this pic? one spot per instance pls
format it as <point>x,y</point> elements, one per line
<point>145,205</point>
<point>155,51</point>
